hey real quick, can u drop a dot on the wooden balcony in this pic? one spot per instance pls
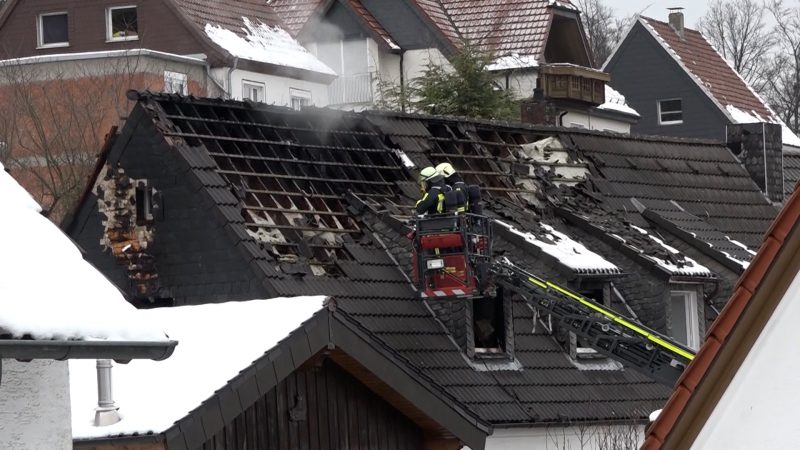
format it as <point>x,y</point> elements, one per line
<point>572,82</point>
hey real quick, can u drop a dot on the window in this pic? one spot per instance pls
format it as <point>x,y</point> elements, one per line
<point>488,324</point>
<point>144,203</point>
<point>300,98</point>
<point>252,90</point>
<point>53,30</point>
<point>122,24</point>
<point>684,318</point>
<point>670,112</point>
<point>175,83</point>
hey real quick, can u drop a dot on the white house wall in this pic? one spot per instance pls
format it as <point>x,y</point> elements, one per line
<point>521,83</point>
<point>277,90</point>
<point>596,437</point>
<point>582,120</point>
<point>35,405</point>
<point>759,408</point>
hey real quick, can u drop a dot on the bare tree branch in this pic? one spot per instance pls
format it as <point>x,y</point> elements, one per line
<point>738,30</point>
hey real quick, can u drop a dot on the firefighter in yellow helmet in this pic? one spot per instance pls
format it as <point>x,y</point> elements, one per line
<point>471,192</point>
<point>432,185</point>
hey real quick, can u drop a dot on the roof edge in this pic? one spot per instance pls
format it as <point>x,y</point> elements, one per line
<point>643,20</point>
<point>120,351</point>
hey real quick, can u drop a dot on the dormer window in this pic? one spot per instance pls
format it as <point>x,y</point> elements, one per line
<point>122,24</point>
<point>685,318</point>
<point>53,30</point>
<point>491,326</point>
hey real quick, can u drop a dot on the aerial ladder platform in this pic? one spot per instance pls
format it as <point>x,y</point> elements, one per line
<point>452,258</point>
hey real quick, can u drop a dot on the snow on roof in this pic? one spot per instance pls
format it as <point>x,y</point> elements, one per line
<point>691,268</point>
<point>739,116</point>
<point>569,252</point>
<point>405,159</point>
<point>616,102</point>
<point>217,341</point>
<point>47,289</point>
<point>513,61</point>
<point>744,264</point>
<point>266,44</point>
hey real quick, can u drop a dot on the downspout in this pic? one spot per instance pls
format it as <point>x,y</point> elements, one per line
<point>106,412</point>
<point>213,80</point>
<point>230,72</point>
<point>402,83</point>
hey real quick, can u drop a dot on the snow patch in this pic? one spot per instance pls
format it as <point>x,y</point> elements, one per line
<point>513,61</point>
<point>616,102</point>
<point>740,116</point>
<point>263,43</point>
<point>216,342</point>
<point>562,4</point>
<point>691,267</point>
<point>654,415</point>
<point>739,244</point>
<point>571,253</point>
<point>404,159</point>
<point>47,289</point>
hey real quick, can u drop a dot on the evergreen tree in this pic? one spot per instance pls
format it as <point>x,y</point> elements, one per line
<point>466,89</point>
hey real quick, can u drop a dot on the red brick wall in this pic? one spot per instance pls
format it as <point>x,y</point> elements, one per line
<point>49,124</point>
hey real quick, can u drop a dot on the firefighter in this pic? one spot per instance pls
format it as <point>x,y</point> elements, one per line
<point>432,185</point>
<point>471,193</point>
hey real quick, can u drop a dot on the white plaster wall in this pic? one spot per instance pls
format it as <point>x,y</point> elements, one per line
<point>415,61</point>
<point>599,437</point>
<point>521,83</point>
<point>759,410</point>
<point>277,89</point>
<point>34,405</point>
<point>595,123</point>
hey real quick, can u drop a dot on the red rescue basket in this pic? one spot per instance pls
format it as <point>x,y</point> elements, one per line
<point>450,254</point>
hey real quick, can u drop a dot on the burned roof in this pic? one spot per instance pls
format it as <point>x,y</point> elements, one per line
<point>314,201</point>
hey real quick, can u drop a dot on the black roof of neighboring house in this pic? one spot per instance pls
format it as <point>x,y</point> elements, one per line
<point>791,172</point>
<point>313,202</point>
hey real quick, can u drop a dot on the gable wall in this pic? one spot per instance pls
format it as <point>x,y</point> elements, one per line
<point>159,28</point>
<point>645,73</point>
<point>402,23</point>
<point>319,407</point>
<point>193,255</point>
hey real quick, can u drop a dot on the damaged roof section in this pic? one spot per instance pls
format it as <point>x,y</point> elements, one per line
<point>289,173</point>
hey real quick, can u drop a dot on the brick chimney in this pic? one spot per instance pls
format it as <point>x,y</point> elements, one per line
<point>676,20</point>
<point>759,147</point>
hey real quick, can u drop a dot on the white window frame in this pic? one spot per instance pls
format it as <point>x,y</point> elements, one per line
<point>669,122</point>
<point>248,85</point>
<point>40,30</point>
<point>301,94</point>
<point>109,32</point>
<point>690,312</point>
<point>170,77</point>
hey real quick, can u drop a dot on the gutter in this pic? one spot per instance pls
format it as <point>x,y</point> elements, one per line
<point>121,441</point>
<point>100,55</point>
<point>119,351</point>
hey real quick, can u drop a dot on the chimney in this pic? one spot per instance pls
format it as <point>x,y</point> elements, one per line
<point>759,147</point>
<point>676,20</point>
<point>106,412</point>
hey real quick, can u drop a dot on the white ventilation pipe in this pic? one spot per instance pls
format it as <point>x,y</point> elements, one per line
<point>106,413</point>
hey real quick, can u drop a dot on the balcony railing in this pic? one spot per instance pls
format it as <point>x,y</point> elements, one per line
<point>348,89</point>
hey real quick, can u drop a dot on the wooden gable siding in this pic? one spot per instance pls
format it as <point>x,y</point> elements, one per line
<point>319,407</point>
<point>159,28</point>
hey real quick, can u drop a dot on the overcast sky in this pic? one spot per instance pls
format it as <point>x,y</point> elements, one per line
<point>657,9</point>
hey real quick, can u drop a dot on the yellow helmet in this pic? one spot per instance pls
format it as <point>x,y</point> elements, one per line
<point>446,169</point>
<point>427,173</point>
